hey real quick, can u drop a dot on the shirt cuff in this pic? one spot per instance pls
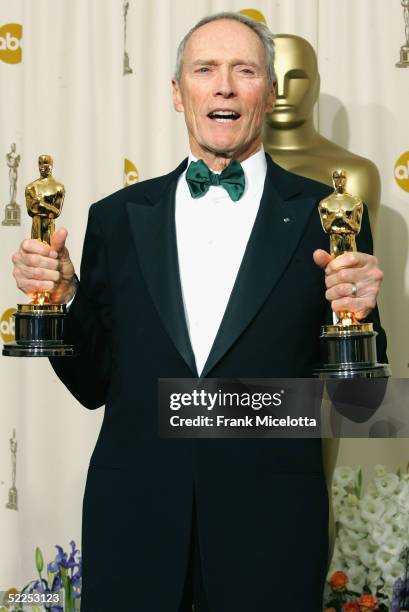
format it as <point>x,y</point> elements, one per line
<point>68,304</point>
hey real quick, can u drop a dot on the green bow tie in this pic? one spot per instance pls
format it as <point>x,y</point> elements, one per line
<point>199,178</point>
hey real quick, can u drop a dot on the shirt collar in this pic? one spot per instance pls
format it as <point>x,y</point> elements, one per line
<point>254,168</point>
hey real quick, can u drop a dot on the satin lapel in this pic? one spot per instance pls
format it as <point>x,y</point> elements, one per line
<point>154,232</point>
<point>278,227</point>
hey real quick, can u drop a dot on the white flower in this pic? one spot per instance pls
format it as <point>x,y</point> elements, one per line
<point>387,484</point>
<point>393,545</point>
<point>400,521</point>
<point>380,470</point>
<point>345,515</point>
<point>366,551</point>
<point>349,546</point>
<point>352,500</point>
<point>396,570</point>
<point>337,558</point>
<point>372,509</point>
<point>381,533</point>
<point>372,492</point>
<point>384,560</point>
<point>356,535</point>
<point>338,494</point>
<point>401,495</point>
<point>357,578</point>
<point>344,475</point>
<point>351,520</point>
<point>390,509</point>
<point>372,531</point>
<point>373,580</point>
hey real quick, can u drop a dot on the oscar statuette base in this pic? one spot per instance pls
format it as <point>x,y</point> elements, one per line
<point>350,352</point>
<point>12,214</point>
<point>12,503</point>
<point>39,332</point>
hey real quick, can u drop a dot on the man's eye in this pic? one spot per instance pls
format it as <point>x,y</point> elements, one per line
<point>247,71</point>
<point>203,69</point>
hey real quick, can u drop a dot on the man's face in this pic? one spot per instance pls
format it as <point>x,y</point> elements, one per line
<point>223,90</point>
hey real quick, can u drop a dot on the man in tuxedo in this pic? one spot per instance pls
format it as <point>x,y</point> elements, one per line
<point>217,269</point>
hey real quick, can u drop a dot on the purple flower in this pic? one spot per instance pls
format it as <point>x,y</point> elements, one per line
<point>72,562</point>
<point>395,605</point>
<point>61,559</point>
<point>398,587</point>
<point>401,595</point>
<point>43,587</point>
<point>67,570</point>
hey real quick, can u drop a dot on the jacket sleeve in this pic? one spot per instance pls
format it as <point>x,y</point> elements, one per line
<point>365,245</point>
<point>88,325</point>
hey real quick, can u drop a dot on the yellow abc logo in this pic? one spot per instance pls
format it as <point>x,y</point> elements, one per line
<point>402,171</point>
<point>254,14</point>
<point>131,174</point>
<point>7,325</point>
<point>10,43</point>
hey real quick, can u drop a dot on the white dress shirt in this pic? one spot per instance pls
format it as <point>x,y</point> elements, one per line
<point>212,233</point>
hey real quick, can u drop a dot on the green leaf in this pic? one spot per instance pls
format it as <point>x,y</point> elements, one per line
<point>39,560</point>
<point>359,483</point>
<point>333,603</point>
<point>68,600</point>
<point>65,583</point>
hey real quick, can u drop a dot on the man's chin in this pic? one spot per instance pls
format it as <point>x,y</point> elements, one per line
<point>222,149</point>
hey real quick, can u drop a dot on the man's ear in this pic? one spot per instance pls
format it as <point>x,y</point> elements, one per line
<point>271,100</point>
<point>177,96</point>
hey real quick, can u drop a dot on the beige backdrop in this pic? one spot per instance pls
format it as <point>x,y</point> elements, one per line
<point>69,97</point>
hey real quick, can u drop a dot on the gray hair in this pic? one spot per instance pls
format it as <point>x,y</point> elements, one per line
<point>262,31</point>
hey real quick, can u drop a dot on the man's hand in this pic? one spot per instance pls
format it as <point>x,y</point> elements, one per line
<point>352,280</point>
<point>38,267</point>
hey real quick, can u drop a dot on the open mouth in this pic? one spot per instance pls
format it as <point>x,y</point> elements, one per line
<point>224,116</point>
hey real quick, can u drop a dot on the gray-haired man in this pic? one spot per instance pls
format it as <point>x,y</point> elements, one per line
<point>211,271</point>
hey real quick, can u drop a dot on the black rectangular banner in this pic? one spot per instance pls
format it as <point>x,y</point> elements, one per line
<point>283,408</point>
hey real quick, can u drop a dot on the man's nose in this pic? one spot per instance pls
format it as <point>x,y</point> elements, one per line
<point>225,84</point>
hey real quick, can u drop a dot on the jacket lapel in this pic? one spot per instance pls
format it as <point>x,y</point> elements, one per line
<point>153,228</point>
<point>280,221</point>
<point>283,213</point>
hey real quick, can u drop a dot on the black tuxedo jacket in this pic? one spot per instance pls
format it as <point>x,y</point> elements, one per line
<point>262,504</point>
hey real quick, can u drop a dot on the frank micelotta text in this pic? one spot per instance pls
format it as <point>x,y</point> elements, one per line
<point>221,421</point>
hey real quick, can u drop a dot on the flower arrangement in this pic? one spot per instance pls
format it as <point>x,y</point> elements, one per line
<point>63,575</point>
<point>370,566</point>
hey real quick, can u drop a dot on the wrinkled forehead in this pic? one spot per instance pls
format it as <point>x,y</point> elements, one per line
<point>224,39</point>
<point>294,53</point>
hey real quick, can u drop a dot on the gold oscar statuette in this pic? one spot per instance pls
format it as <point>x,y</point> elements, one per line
<point>39,325</point>
<point>348,348</point>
